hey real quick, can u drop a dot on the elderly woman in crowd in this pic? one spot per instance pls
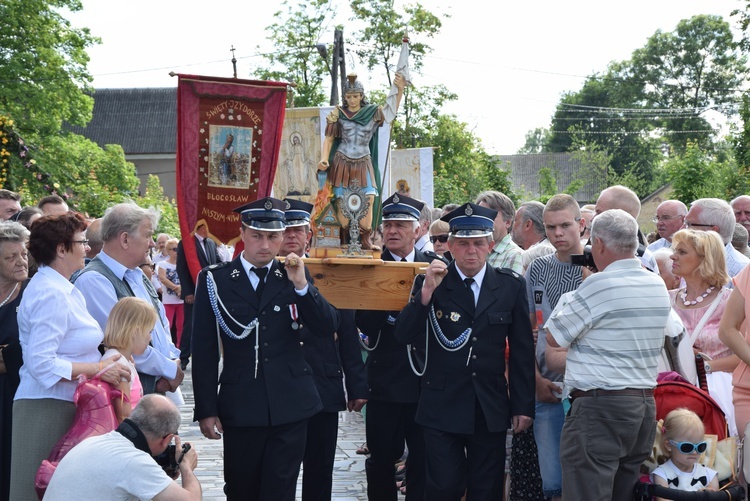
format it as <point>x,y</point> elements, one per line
<point>59,340</point>
<point>13,280</point>
<point>698,258</point>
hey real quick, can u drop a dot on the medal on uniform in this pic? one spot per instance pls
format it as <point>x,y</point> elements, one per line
<point>455,317</point>
<point>276,308</point>
<point>293,313</point>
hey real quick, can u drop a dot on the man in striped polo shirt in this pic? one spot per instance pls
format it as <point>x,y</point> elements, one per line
<point>613,327</point>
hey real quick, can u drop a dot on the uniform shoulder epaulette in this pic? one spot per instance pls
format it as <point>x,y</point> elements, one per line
<point>432,255</point>
<point>508,271</point>
<point>217,266</point>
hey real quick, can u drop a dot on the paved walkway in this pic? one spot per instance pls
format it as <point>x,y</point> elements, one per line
<point>349,482</point>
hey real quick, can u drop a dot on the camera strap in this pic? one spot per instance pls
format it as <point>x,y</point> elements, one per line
<point>130,430</point>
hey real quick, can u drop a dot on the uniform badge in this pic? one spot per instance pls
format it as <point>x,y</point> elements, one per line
<point>268,205</point>
<point>439,314</point>
<point>278,273</point>
<point>277,308</point>
<point>396,199</point>
<point>469,211</point>
<point>288,205</point>
<point>235,273</point>
<point>455,317</point>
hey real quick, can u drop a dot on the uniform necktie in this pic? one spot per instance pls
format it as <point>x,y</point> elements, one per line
<point>468,283</point>
<point>261,272</point>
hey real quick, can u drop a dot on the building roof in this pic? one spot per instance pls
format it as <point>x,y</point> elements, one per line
<point>143,121</point>
<point>524,173</point>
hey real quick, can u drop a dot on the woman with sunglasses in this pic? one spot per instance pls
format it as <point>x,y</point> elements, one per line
<point>171,290</point>
<point>439,238</point>
<point>683,443</point>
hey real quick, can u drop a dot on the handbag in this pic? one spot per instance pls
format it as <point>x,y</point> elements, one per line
<point>685,352</point>
<point>95,416</point>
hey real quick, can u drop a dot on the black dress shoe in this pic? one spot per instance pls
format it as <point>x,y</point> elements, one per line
<point>184,364</point>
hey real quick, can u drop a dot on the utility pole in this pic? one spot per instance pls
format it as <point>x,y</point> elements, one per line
<point>341,61</point>
<point>234,62</point>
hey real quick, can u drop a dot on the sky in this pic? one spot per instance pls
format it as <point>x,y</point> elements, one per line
<point>508,62</point>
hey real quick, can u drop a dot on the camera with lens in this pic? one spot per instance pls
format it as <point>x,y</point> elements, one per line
<point>585,259</point>
<point>168,462</point>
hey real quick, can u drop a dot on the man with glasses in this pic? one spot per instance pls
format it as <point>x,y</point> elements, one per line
<point>670,217</point>
<point>120,464</point>
<point>713,214</point>
<point>505,253</point>
<point>127,232</point>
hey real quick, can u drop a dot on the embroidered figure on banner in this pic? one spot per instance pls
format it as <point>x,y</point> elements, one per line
<point>230,156</point>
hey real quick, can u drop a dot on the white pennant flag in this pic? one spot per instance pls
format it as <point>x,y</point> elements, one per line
<point>391,105</point>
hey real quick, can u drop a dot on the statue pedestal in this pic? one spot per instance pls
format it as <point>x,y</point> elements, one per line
<point>364,284</point>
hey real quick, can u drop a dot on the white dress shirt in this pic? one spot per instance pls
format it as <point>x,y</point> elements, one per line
<point>55,331</point>
<point>158,359</point>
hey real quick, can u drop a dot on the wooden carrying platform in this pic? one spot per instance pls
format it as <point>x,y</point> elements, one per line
<point>364,284</point>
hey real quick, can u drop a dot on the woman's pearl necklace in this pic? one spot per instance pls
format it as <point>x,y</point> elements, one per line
<point>699,299</point>
<point>9,295</point>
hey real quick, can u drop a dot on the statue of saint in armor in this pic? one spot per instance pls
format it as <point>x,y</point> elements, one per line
<point>349,152</point>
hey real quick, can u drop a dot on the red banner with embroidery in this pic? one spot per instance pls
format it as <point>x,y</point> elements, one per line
<point>228,139</point>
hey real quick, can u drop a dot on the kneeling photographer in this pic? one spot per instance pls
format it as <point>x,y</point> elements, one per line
<point>130,462</point>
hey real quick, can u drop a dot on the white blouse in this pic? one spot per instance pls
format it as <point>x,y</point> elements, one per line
<point>55,330</point>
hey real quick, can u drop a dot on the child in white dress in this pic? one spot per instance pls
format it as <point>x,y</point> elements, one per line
<point>683,436</point>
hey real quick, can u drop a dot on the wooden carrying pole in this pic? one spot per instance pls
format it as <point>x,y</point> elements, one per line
<point>364,284</point>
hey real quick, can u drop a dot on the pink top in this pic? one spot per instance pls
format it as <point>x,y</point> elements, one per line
<point>136,389</point>
<point>708,340</point>
<point>741,376</point>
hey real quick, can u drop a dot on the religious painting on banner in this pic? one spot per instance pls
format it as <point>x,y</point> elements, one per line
<point>411,174</point>
<point>228,139</point>
<point>296,175</point>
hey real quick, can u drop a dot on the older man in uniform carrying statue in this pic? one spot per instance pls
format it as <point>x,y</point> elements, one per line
<point>350,150</point>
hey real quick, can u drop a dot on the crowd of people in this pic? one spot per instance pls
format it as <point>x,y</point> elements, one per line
<point>536,328</point>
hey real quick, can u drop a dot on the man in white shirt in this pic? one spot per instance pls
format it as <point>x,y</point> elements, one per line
<point>127,231</point>
<point>670,217</point>
<point>714,214</point>
<point>120,465</point>
<point>613,328</point>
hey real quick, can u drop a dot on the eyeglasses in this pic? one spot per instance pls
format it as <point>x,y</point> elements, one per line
<point>656,219</point>
<point>688,447</point>
<point>172,249</point>
<point>85,241</point>
<point>148,265</point>
<point>688,225</point>
<point>439,238</point>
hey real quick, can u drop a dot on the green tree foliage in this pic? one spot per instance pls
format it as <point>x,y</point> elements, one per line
<point>379,42</point>
<point>740,183</point>
<point>43,66</point>
<point>536,141</point>
<point>296,32</point>
<point>461,168</point>
<point>46,84</point>
<point>169,222</point>
<point>693,175</point>
<point>687,71</point>
<point>696,66</point>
